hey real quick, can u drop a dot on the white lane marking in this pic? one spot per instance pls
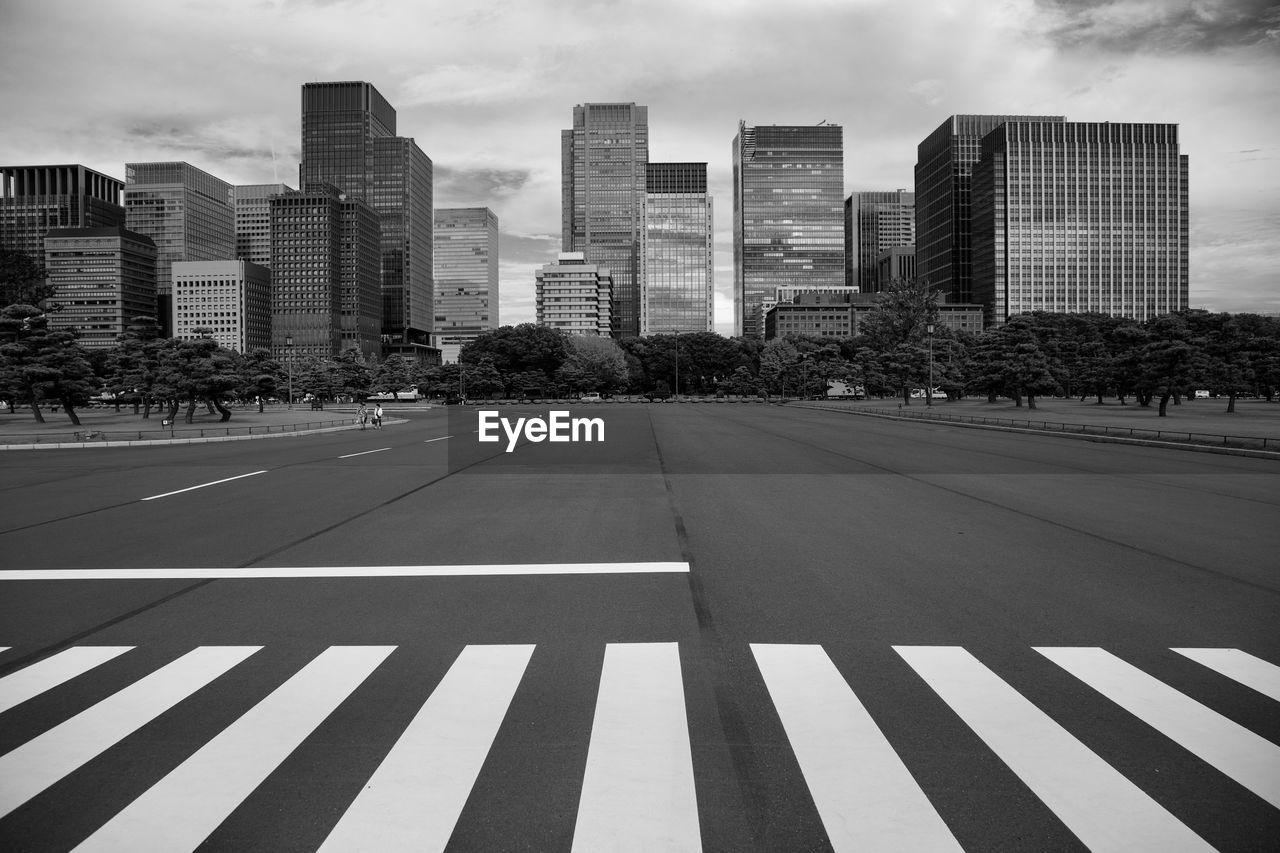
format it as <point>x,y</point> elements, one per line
<point>347,571</point>
<point>43,760</point>
<point>204,485</point>
<point>441,438</point>
<point>363,452</point>
<point>638,792</point>
<point>1104,809</point>
<point>1263,676</point>
<point>413,799</point>
<point>1251,760</point>
<point>866,796</point>
<point>49,673</point>
<point>179,811</point>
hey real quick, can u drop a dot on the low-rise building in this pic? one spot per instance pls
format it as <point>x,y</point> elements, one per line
<point>574,296</point>
<point>229,299</point>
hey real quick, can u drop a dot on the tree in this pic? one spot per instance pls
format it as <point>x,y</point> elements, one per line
<point>195,370</point>
<point>594,364</point>
<point>777,360</point>
<point>516,349</point>
<point>38,364</point>
<point>133,363</point>
<point>23,280</point>
<point>1172,360</point>
<point>259,375</point>
<point>394,374</point>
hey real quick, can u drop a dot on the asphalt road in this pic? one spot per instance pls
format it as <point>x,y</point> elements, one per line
<point>802,631</point>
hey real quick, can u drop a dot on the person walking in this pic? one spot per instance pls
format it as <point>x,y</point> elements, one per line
<point>363,415</point>
<point>377,416</point>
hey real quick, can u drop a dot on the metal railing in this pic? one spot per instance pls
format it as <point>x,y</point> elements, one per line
<point>166,433</point>
<point>1187,437</point>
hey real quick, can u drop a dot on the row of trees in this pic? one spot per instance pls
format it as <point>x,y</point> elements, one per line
<point>901,345</point>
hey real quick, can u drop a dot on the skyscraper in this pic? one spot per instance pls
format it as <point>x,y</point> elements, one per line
<point>788,214</point>
<point>229,299</point>
<point>34,199</point>
<point>253,221</point>
<point>189,214</point>
<point>102,278</point>
<point>875,222</point>
<point>466,274</point>
<point>1080,217</point>
<point>324,273</point>
<point>349,140</point>
<point>677,293</point>
<point>602,162</point>
<point>944,166</point>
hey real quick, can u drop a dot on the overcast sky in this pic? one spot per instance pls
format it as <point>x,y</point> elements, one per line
<point>486,87</point>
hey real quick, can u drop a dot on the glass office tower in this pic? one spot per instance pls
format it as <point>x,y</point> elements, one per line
<point>788,214</point>
<point>466,274</point>
<point>189,214</point>
<point>102,279</point>
<point>253,221</point>
<point>944,166</point>
<point>34,199</point>
<point>349,140</point>
<point>677,290</point>
<point>603,161</point>
<point>1080,217</point>
<point>875,222</point>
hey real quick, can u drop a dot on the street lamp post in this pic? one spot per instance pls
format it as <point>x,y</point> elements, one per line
<point>288,345</point>
<point>677,365</point>
<point>928,392</point>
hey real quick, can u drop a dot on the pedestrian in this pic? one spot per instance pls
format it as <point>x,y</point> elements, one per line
<point>377,416</point>
<point>363,414</point>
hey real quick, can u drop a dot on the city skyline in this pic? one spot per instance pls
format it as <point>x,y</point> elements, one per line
<point>485,91</point>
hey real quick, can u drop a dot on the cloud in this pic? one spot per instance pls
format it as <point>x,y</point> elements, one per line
<point>461,187</point>
<point>1161,26</point>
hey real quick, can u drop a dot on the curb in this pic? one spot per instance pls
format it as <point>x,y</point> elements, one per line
<point>152,442</point>
<point>1101,439</point>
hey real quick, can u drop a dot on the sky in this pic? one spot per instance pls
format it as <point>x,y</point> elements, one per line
<point>486,87</point>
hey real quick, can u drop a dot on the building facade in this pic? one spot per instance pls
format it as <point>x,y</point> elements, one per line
<point>841,315</point>
<point>325,280</point>
<point>35,199</point>
<point>1080,217</point>
<point>603,178</point>
<point>466,276</point>
<point>229,299</point>
<point>788,214</point>
<point>874,222</point>
<point>349,140</point>
<point>677,293</point>
<point>102,279</point>
<point>189,214</point>
<point>253,221</point>
<point>895,264</point>
<point>575,296</point>
<point>944,169</point>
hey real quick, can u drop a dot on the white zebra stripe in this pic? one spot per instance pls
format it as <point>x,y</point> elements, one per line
<point>35,679</point>
<point>38,763</point>
<point>637,792</point>
<point>1263,676</point>
<point>1251,760</point>
<point>413,799</point>
<point>1103,808</point>
<point>179,811</point>
<point>867,798</point>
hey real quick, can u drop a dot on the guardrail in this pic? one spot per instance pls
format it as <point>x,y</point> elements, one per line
<point>1241,441</point>
<point>164,434</point>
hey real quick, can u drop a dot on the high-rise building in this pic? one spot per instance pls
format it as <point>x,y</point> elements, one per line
<point>103,278</point>
<point>1080,217</point>
<point>575,296</point>
<point>603,161</point>
<point>349,140</point>
<point>788,214</point>
<point>324,273</point>
<point>189,214</point>
<point>875,221</point>
<point>253,221</point>
<point>677,290</point>
<point>466,275</point>
<point>944,166</point>
<point>231,300</point>
<point>34,199</point>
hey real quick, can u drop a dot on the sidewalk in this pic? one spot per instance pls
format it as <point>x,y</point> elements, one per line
<point>101,425</point>
<point>1254,425</point>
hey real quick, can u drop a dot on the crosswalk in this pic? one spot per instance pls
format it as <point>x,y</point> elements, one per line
<point>639,789</point>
